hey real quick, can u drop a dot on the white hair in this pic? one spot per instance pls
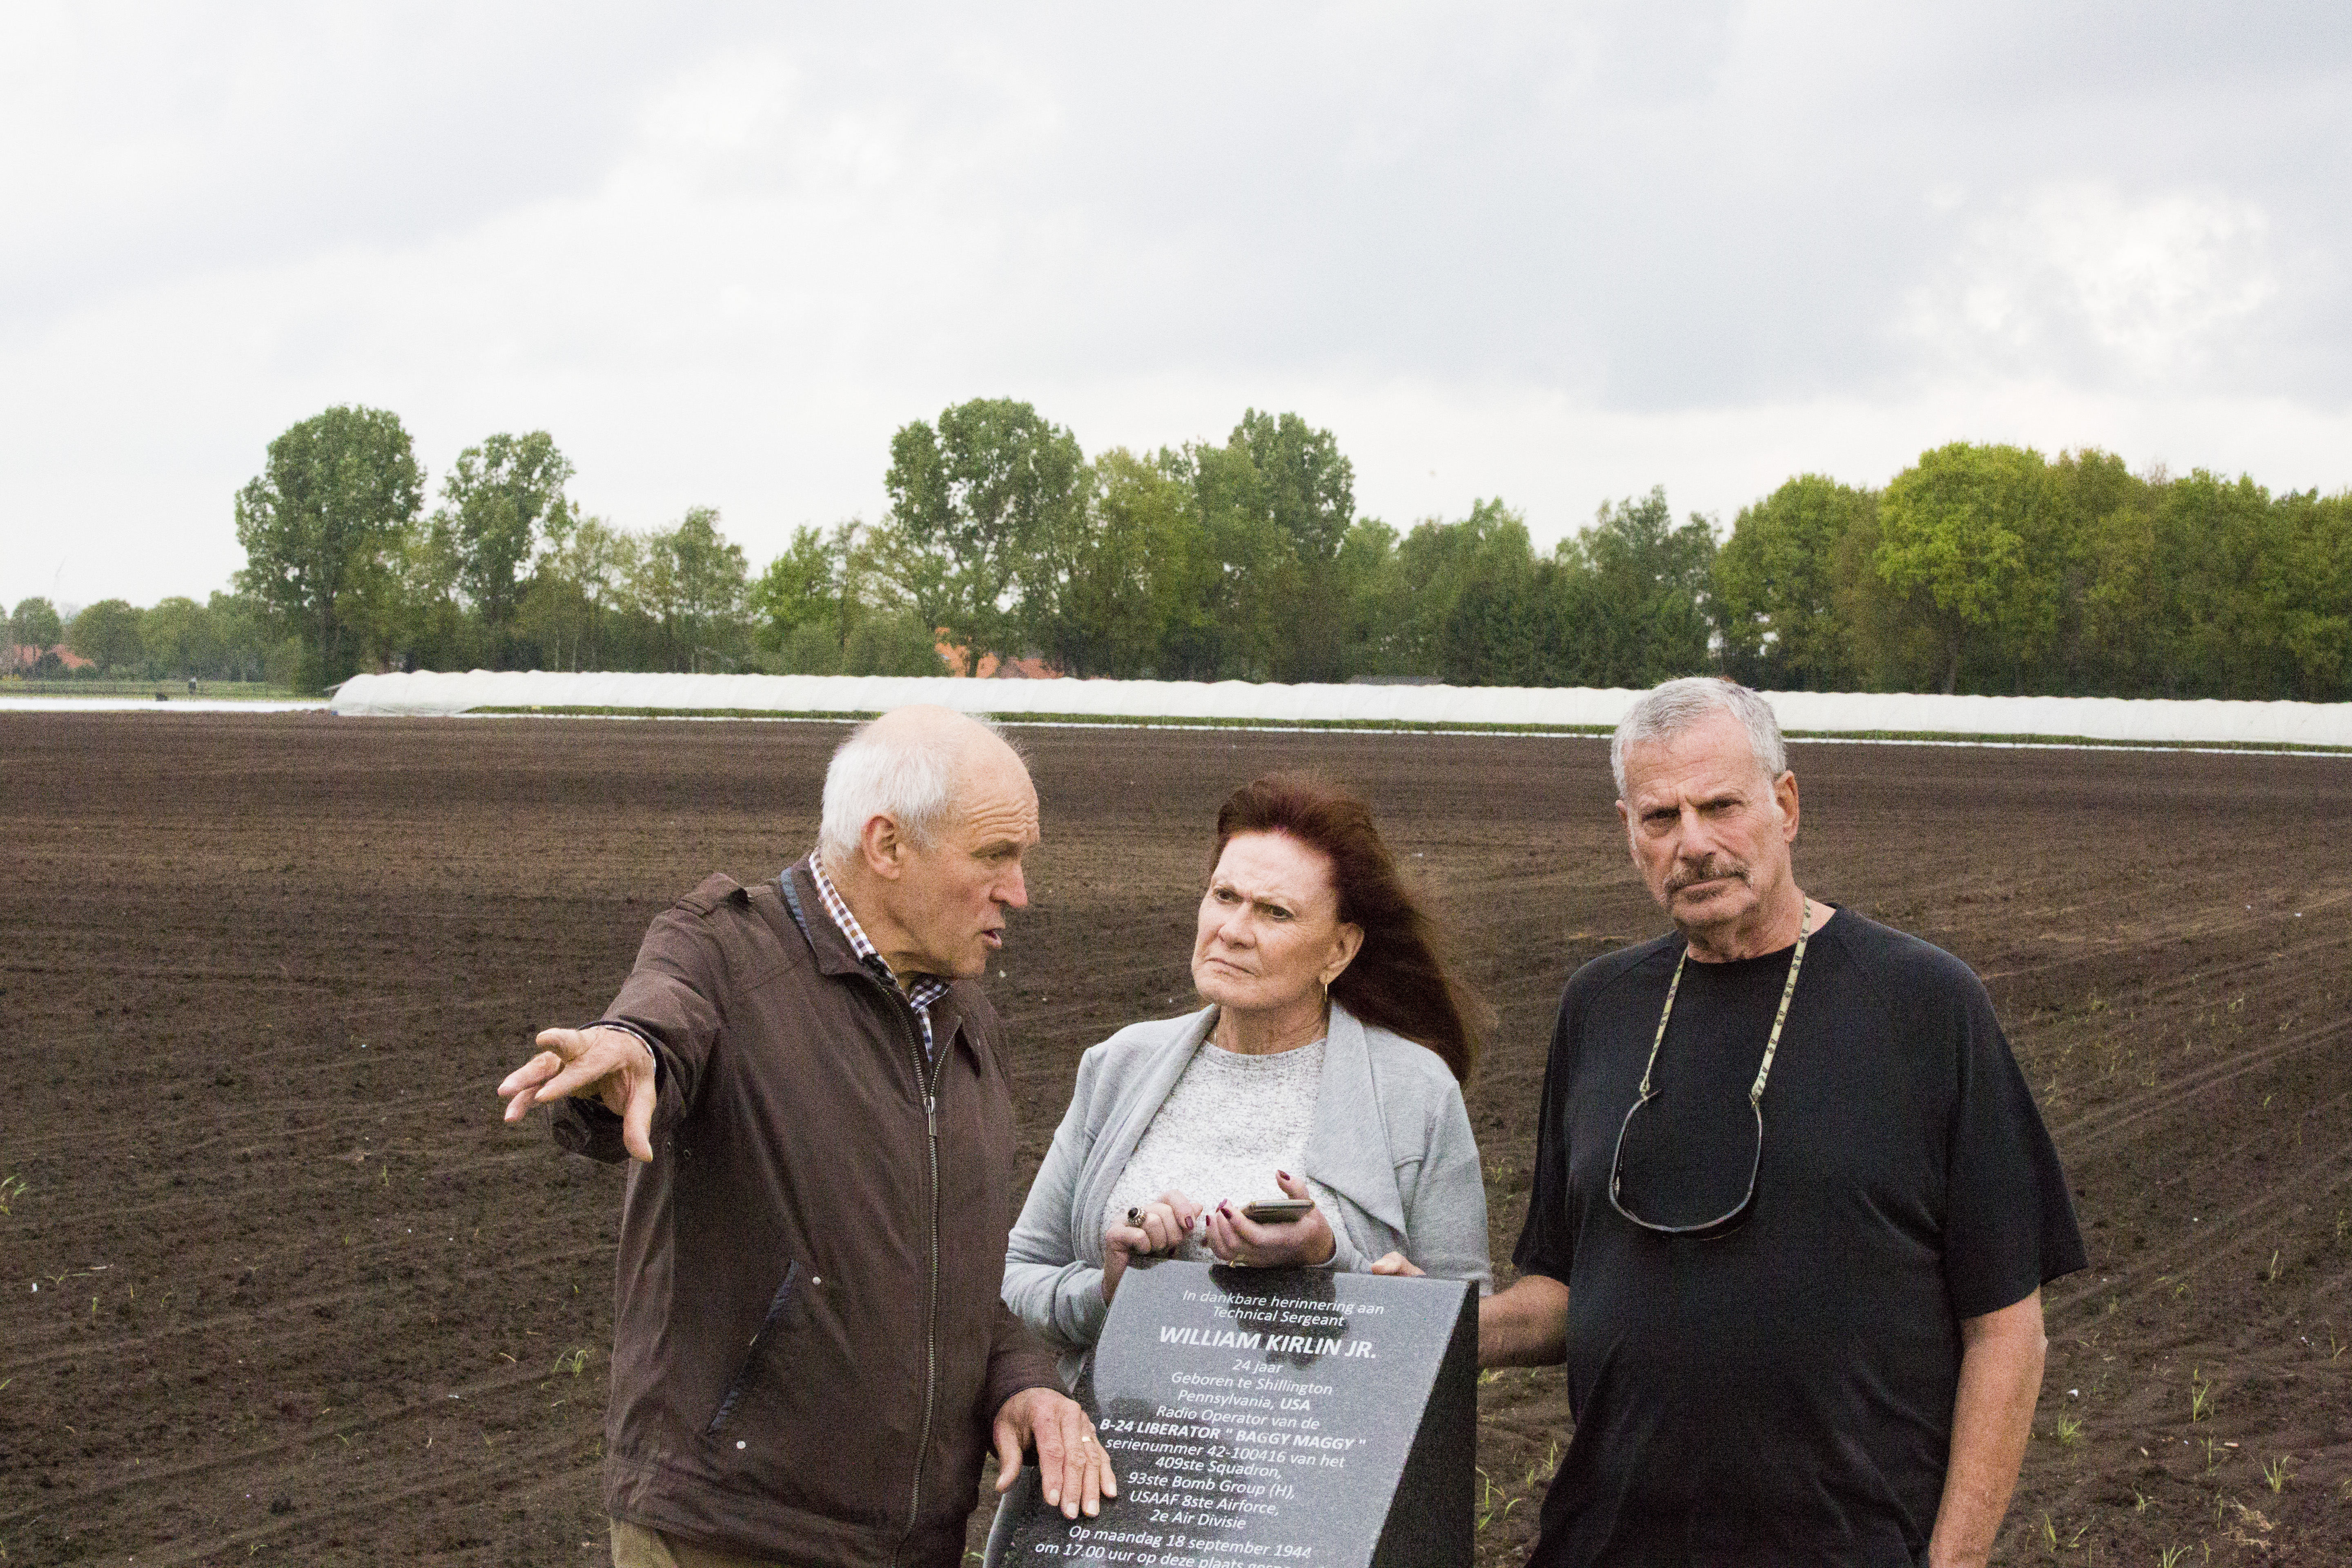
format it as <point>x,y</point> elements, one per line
<point>908,775</point>
<point>1668,710</point>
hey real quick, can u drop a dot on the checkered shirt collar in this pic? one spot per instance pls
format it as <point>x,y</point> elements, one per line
<point>921,990</point>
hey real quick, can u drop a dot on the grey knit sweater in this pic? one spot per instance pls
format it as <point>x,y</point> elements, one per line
<point>1390,1143</point>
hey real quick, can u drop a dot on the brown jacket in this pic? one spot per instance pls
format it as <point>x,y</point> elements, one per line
<point>808,1346</point>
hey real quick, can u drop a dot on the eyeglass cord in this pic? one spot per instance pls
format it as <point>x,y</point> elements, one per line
<point>1772,1042</point>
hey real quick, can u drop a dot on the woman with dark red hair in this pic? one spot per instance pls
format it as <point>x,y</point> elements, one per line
<point>1325,1071</point>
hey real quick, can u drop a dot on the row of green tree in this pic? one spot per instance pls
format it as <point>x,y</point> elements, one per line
<point>1980,568</point>
<point>1989,569</point>
<point>506,571</point>
<point>229,638</point>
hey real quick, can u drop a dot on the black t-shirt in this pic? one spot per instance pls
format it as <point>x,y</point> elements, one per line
<point>1782,1394</point>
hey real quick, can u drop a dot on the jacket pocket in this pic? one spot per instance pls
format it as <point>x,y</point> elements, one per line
<point>751,1362</point>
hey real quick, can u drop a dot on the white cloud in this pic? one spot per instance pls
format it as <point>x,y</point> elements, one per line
<point>2078,276</point>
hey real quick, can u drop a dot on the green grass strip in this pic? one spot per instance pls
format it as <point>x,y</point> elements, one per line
<point>2084,743</point>
<point>1097,721</point>
<point>816,715</point>
<point>1123,722</point>
<point>173,690</point>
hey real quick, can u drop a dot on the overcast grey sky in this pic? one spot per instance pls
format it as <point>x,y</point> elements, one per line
<point>1556,253</point>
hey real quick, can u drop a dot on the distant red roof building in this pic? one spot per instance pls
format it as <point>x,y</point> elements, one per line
<point>958,663</point>
<point>24,655</point>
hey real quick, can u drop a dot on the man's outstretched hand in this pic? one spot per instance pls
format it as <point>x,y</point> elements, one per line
<point>1071,1464</point>
<point>612,1064</point>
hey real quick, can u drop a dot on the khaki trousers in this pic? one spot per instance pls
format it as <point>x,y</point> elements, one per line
<point>635,1546</point>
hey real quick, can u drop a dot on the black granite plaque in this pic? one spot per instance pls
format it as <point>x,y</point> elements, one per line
<point>1272,1416</point>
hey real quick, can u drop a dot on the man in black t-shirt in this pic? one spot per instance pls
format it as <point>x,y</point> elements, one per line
<point>1793,1204</point>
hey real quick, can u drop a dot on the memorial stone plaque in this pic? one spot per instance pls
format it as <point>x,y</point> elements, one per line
<point>1272,1415</point>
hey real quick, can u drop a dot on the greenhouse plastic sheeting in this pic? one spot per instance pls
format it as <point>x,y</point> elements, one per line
<point>1818,712</point>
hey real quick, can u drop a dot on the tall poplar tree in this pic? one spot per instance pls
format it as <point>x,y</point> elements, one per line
<point>502,500</point>
<point>977,507</point>
<point>318,523</point>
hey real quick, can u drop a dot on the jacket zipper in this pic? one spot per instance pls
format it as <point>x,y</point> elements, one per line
<point>930,1092</point>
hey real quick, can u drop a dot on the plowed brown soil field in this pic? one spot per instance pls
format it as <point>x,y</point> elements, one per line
<point>276,1286</point>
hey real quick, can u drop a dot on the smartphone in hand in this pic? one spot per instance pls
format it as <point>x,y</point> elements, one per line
<point>1278,1211</point>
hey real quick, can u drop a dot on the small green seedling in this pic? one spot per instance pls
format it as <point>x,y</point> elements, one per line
<point>13,1187</point>
<point>2276,1472</point>
<point>1486,1497</point>
<point>2070,1429</point>
<point>1544,1469</point>
<point>2200,1396</point>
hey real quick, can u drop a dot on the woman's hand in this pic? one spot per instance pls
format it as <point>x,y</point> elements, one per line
<point>1235,1237</point>
<point>1397,1263</point>
<point>1160,1225</point>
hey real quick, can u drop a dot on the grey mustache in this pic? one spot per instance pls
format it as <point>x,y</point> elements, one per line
<point>1705,871</point>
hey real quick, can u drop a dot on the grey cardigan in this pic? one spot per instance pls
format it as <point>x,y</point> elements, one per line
<point>1391,1139</point>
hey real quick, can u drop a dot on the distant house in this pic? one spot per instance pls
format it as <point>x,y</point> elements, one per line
<point>22,657</point>
<point>959,662</point>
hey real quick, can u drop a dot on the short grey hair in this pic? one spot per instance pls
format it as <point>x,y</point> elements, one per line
<point>1668,710</point>
<point>909,778</point>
